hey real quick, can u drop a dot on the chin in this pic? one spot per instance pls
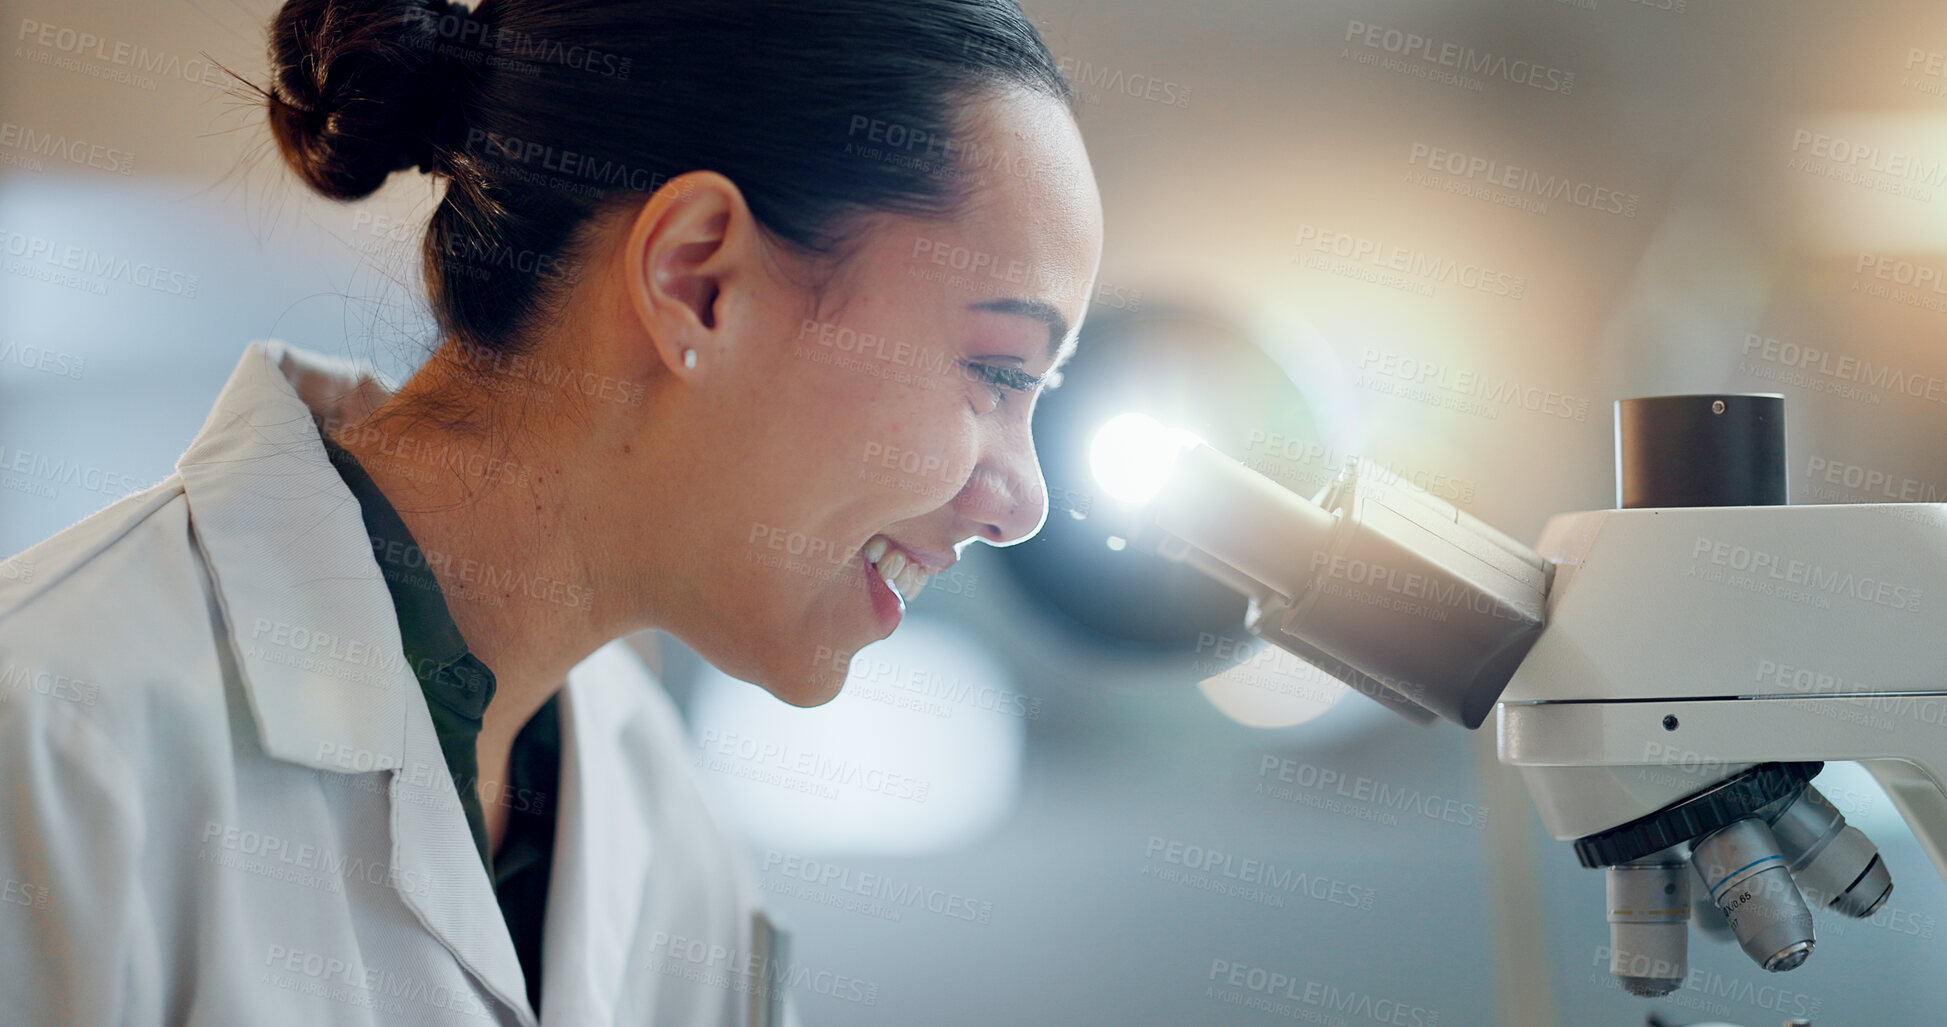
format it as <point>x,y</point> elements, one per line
<point>806,691</point>
<point>807,677</point>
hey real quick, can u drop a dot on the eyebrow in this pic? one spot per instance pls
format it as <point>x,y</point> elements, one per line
<point>1040,310</point>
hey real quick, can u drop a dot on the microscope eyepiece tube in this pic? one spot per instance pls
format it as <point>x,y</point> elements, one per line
<point>1748,879</point>
<point>1377,583</point>
<point>1649,926</point>
<point>1837,866</point>
<point>1244,520</point>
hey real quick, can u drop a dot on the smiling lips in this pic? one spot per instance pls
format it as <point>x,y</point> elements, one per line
<point>900,570</point>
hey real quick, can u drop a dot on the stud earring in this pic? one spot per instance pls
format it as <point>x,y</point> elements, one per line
<point>689,357</point>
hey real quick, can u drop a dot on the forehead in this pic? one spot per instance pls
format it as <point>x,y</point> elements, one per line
<point>1030,226</point>
<point>1023,155</point>
<point>1032,197</point>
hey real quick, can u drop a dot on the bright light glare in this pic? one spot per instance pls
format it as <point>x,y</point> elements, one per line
<point>1269,687</point>
<point>1133,454</point>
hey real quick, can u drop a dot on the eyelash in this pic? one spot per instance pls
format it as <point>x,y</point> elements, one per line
<point>1003,377</point>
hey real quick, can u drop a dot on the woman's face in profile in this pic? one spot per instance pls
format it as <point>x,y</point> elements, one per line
<point>876,436</point>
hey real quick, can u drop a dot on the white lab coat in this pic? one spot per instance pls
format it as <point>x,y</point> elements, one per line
<point>222,800</point>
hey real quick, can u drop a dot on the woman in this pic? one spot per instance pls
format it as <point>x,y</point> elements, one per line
<point>743,311</point>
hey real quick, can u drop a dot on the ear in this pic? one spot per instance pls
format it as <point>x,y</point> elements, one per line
<point>689,240</point>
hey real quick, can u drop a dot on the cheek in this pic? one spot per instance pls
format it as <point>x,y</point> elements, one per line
<point>906,446</point>
<point>921,460</point>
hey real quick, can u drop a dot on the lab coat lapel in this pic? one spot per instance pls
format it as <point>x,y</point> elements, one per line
<point>440,873</point>
<point>317,639</point>
<point>601,859</point>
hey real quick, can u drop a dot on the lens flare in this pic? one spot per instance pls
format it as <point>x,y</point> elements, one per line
<point>1132,456</point>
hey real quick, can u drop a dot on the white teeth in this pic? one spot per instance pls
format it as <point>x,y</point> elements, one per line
<point>901,574</point>
<point>912,581</point>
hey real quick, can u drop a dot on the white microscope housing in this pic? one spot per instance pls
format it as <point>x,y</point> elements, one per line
<point>1668,677</point>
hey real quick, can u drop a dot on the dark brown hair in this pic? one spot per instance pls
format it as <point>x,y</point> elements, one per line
<point>544,113</point>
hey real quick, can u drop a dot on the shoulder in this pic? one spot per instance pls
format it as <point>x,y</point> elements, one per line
<point>110,620</point>
<point>134,535</point>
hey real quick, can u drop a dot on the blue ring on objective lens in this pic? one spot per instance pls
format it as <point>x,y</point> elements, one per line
<point>1739,870</point>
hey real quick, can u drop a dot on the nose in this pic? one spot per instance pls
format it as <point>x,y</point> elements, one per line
<point>1005,499</point>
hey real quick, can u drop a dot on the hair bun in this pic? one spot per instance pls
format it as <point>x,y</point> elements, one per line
<point>359,89</point>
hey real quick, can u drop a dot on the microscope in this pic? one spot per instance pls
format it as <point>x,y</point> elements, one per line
<point>1668,676</point>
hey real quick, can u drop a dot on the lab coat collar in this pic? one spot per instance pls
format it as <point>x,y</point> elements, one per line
<point>315,634</point>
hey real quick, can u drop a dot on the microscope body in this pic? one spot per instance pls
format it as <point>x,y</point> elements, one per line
<point>1668,677</point>
<point>1686,645</point>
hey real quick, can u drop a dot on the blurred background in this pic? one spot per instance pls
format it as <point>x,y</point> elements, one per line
<point>1322,241</point>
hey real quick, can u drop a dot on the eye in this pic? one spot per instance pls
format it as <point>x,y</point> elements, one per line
<point>1001,379</point>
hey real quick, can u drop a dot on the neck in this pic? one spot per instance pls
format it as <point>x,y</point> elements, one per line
<point>506,524</point>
